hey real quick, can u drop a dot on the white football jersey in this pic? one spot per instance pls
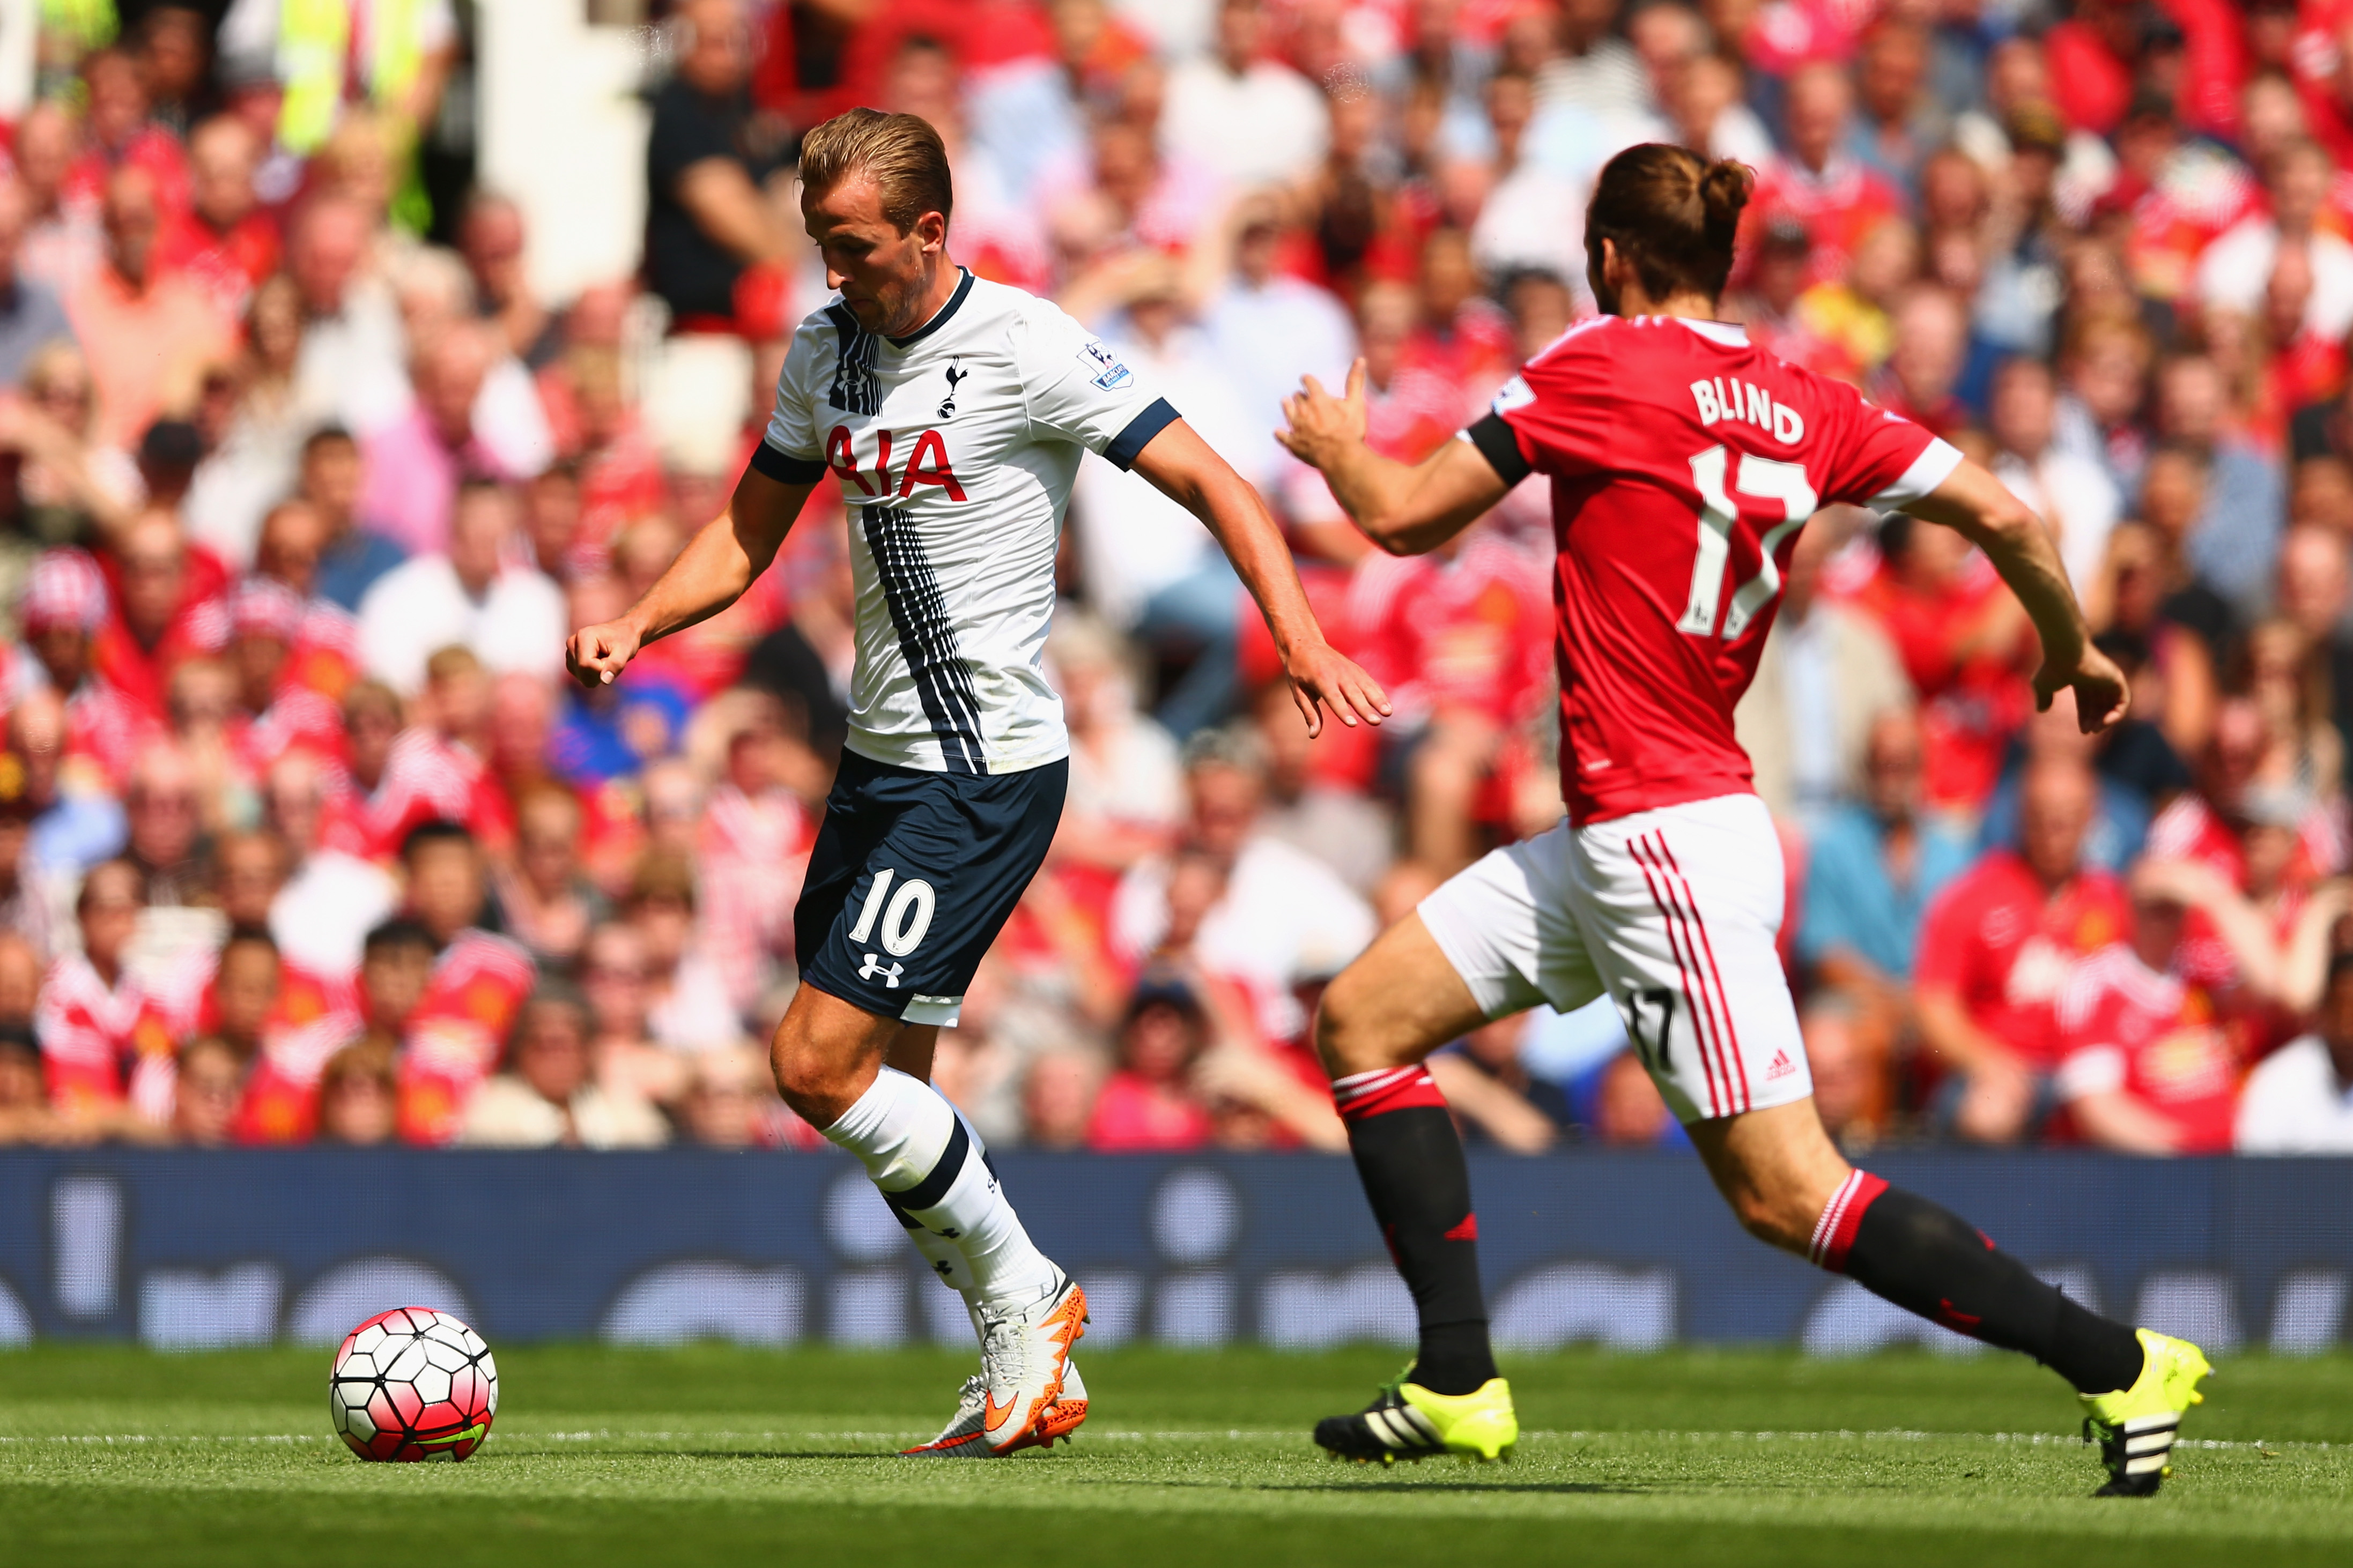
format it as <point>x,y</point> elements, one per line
<point>955,447</point>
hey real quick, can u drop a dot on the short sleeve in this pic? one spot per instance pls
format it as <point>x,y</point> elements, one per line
<point>1078,389</point>
<point>1561,406</point>
<point>789,452</point>
<point>1875,456</point>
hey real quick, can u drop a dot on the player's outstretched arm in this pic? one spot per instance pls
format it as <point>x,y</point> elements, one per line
<point>1407,509</point>
<point>1183,468</point>
<point>1981,509</point>
<point>711,574</point>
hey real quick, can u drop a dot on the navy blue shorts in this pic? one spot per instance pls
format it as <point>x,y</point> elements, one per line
<point>912,876</point>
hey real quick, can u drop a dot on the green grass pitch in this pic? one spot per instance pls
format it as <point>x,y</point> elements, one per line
<point>714,1456</point>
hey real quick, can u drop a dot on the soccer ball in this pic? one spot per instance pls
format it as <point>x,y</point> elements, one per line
<point>413,1383</point>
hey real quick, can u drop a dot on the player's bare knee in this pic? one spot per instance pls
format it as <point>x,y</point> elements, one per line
<point>810,1080</point>
<point>1770,1217</point>
<point>1345,1035</point>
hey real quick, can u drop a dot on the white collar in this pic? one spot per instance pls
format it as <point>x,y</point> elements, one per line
<point>1727,334</point>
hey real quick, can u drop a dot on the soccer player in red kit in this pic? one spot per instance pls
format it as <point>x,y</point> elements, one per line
<point>1684,461</point>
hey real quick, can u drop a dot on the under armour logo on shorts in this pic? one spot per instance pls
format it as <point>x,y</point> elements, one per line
<point>888,972</point>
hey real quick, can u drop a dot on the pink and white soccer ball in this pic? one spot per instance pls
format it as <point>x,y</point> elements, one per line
<point>413,1383</point>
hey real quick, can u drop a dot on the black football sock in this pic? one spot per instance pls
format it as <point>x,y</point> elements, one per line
<point>1929,1260</point>
<point>1411,1161</point>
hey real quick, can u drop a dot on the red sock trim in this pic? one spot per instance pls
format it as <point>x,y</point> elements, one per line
<point>1364,1094</point>
<point>1467,1231</point>
<point>1841,1218</point>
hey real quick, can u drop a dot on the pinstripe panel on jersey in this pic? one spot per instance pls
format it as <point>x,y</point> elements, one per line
<point>855,389</point>
<point>942,678</point>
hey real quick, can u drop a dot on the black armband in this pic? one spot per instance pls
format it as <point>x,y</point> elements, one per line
<point>1500,445</point>
<point>1129,444</point>
<point>785,468</point>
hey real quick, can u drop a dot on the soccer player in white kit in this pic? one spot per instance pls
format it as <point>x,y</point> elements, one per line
<point>951,412</point>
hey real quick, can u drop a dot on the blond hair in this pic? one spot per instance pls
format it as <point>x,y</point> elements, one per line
<point>899,153</point>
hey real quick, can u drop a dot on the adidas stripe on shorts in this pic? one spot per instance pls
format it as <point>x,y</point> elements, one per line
<point>1672,914</point>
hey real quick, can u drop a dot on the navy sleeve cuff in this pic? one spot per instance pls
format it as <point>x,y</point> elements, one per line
<point>1129,444</point>
<point>1500,445</point>
<point>785,468</point>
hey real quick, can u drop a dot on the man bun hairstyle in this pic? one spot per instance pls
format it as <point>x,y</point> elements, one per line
<point>1672,215</point>
<point>899,153</point>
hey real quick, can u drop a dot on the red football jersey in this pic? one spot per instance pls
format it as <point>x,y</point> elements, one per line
<point>1684,461</point>
<point>2159,1039</point>
<point>2007,949</point>
<point>1464,632</point>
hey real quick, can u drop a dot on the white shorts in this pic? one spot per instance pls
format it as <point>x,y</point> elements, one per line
<point>1670,913</point>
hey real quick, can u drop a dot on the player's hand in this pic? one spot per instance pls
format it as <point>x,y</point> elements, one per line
<point>1322,679</point>
<point>596,655</point>
<point>2102,692</point>
<point>1321,426</point>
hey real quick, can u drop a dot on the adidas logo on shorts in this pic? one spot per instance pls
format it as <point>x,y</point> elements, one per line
<point>1782,1066</point>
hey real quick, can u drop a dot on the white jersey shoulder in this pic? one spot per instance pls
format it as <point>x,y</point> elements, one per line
<point>954,449</point>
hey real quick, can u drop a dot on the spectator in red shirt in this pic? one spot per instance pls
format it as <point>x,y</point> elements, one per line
<point>278,712</point>
<point>2265,836</point>
<point>1412,405</point>
<point>477,986</point>
<point>166,607</point>
<point>2148,1060</point>
<point>1960,633</point>
<point>63,608</point>
<point>1146,1104</point>
<point>226,243</point>
<point>1817,183</point>
<point>2094,56</point>
<point>1463,337</point>
<point>121,134</point>
<point>90,1007</point>
<point>2176,194</point>
<point>403,778</point>
<point>1996,950</point>
<point>324,654</point>
<point>1460,639</point>
<point>243,996</point>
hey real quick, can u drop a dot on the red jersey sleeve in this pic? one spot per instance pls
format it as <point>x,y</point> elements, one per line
<point>1868,456</point>
<point>1559,406</point>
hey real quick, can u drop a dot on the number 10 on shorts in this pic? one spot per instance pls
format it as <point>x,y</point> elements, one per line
<point>906,917</point>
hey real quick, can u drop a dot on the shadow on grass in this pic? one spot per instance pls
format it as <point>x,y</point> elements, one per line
<point>1395,1483</point>
<point>610,1450</point>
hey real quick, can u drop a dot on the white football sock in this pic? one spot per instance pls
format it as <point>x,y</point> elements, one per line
<point>945,1259</point>
<point>930,1167</point>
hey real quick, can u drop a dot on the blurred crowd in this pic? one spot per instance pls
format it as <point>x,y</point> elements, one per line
<point>304,835</point>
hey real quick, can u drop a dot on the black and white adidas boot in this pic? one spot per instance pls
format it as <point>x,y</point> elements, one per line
<point>1388,1430</point>
<point>1409,1422</point>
